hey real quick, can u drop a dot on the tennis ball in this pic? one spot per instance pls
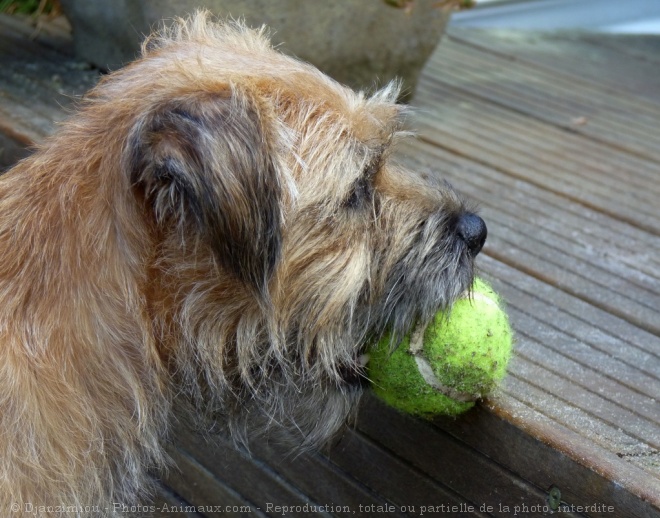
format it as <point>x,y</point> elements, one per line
<point>443,368</point>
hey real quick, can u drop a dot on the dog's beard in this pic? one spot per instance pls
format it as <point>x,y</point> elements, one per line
<point>303,415</point>
<point>300,410</point>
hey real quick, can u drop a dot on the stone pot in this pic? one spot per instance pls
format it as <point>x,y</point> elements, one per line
<point>361,43</point>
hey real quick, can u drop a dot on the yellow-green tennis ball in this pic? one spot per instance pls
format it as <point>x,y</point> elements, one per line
<point>456,360</point>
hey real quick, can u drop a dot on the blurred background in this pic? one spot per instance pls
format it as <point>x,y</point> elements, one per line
<point>630,16</point>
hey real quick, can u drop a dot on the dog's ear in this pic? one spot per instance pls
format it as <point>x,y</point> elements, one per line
<point>204,163</point>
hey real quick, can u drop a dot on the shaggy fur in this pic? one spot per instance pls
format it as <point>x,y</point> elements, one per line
<point>218,221</point>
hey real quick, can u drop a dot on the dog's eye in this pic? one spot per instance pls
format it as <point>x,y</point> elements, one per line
<point>362,190</point>
<point>360,193</point>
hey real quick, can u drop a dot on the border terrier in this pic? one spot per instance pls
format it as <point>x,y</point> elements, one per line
<point>218,222</point>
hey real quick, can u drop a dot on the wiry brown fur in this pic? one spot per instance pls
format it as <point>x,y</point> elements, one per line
<point>218,221</point>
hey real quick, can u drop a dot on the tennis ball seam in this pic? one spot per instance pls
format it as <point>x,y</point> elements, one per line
<point>426,371</point>
<point>416,349</point>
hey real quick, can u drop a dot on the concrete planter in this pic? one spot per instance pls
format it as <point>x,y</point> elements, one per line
<point>361,43</point>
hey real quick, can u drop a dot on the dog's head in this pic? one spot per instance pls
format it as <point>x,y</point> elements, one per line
<point>288,238</point>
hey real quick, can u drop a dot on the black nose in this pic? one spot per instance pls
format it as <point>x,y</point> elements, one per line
<point>472,229</point>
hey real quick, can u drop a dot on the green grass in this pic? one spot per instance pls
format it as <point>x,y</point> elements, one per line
<point>32,7</point>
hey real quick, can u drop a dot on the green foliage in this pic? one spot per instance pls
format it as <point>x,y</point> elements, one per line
<point>32,7</point>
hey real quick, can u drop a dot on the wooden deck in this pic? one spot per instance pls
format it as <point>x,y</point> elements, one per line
<point>557,139</point>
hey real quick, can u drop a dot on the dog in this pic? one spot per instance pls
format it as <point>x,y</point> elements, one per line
<point>218,223</point>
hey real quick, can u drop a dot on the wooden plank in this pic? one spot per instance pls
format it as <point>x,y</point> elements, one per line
<point>246,476</point>
<point>571,402</point>
<point>453,463</point>
<point>329,492</point>
<point>549,145</point>
<point>329,485</point>
<point>624,485</point>
<point>622,122</point>
<point>210,495</point>
<point>515,435</point>
<point>382,470</point>
<point>607,242</point>
<point>629,385</point>
<point>625,419</point>
<point>167,504</point>
<point>613,62</point>
<point>456,121</point>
